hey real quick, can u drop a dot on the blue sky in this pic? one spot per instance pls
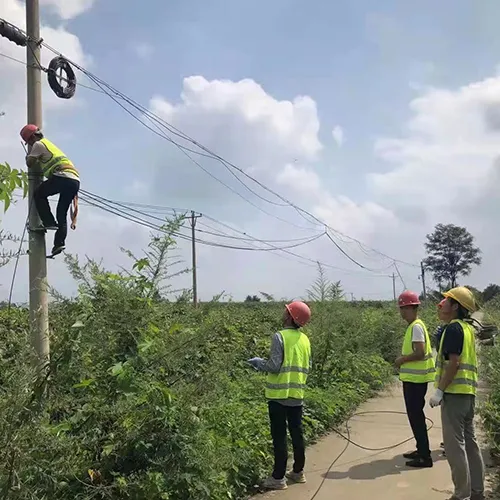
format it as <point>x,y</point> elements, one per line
<point>370,68</point>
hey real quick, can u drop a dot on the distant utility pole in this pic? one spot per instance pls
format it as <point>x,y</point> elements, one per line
<point>39,314</point>
<point>194,217</point>
<point>422,267</point>
<point>394,285</point>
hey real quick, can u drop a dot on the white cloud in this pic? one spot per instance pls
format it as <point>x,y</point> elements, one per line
<point>338,135</point>
<point>143,50</point>
<point>69,9</point>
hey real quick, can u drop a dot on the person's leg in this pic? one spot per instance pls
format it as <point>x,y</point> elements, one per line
<point>277,417</point>
<point>68,188</point>
<point>454,409</point>
<point>40,198</point>
<point>421,434</point>
<point>294,417</point>
<point>476,463</point>
<point>414,395</point>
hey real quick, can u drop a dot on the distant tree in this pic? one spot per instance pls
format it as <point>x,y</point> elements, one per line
<point>323,289</point>
<point>451,253</point>
<point>267,296</point>
<point>252,298</point>
<point>490,292</point>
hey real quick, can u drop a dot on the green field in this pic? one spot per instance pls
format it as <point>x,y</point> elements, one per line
<point>154,400</point>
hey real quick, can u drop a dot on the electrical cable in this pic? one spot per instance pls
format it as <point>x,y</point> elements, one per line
<point>184,136</point>
<point>349,441</point>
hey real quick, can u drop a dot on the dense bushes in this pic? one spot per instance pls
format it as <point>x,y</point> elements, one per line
<point>490,409</point>
<point>153,400</point>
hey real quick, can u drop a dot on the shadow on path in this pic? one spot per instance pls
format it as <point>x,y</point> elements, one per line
<point>378,468</point>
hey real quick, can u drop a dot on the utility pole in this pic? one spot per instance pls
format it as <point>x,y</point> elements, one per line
<point>39,316</point>
<point>422,267</point>
<point>194,217</point>
<point>394,285</point>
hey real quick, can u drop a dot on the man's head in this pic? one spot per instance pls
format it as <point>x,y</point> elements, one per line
<point>458,303</point>
<point>30,134</point>
<point>408,303</point>
<point>296,314</point>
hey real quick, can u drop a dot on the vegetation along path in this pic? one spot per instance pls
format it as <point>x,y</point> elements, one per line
<point>371,474</point>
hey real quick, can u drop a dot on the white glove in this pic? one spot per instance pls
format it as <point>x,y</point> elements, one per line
<point>437,398</point>
<point>255,362</point>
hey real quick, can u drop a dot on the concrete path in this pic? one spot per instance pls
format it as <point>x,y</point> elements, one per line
<point>360,474</point>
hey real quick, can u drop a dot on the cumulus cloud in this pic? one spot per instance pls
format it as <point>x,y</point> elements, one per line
<point>338,135</point>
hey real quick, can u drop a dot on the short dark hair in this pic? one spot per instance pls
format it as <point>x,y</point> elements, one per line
<point>462,312</point>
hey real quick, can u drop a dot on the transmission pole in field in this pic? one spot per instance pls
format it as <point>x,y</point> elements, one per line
<point>194,217</point>
<point>394,285</point>
<point>39,316</point>
<point>422,267</point>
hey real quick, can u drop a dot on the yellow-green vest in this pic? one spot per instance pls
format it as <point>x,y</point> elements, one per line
<point>57,163</point>
<point>465,381</point>
<point>291,380</point>
<point>418,372</point>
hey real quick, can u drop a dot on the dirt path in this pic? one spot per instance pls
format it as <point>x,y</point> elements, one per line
<point>362,474</point>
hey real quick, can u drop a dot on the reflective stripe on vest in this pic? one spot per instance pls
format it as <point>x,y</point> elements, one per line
<point>58,162</point>
<point>291,380</point>
<point>465,381</point>
<point>422,371</point>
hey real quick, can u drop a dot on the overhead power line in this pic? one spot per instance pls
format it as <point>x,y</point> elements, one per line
<point>118,96</point>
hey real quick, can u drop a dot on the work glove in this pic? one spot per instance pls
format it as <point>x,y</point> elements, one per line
<point>255,362</point>
<point>437,398</point>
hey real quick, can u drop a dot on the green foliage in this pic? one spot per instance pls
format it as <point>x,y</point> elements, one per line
<point>451,253</point>
<point>150,399</point>
<point>323,289</point>
<point>10,180</point>
<point>490,370</point>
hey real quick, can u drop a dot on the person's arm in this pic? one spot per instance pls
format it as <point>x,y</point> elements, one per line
<point>453,343</point>
<point>37,150</point>
<point>418,345</point>
<point>273,364</point>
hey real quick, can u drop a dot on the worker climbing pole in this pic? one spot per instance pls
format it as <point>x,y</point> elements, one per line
<point>62,179</point>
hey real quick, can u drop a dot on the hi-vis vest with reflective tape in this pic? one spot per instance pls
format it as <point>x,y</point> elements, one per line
<point>57,163</point>
<point>417,371</point>
<point>291,380</point>
<point>465,381</point>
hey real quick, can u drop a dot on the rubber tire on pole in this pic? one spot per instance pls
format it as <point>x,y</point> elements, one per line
<point>68,91</point>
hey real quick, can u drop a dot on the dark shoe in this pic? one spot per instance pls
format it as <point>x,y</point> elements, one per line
<point>57,250</point>
<point>420,463</point>
<point>411,455</point>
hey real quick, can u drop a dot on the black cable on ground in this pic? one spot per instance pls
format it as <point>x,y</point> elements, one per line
<point>357,445</point>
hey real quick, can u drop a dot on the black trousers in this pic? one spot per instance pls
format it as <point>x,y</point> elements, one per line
<point>414,395</point>
<point>280,416</point>
<point>67,190</point>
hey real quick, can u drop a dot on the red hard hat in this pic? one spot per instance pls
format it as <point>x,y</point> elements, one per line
<point>27,132</point>
<point>408,298</point>
<point>299,311</point>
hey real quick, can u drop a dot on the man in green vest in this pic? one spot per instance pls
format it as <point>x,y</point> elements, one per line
<point>62,178</point>
<point>416,370</point>
<point>456,388</point>
<point>287,368</point>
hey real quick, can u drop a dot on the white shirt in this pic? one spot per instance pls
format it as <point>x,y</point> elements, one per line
<point>417,334</point>
<point>40,152</point>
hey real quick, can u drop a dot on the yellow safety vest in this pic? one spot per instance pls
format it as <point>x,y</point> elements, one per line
<point>291,380</point>
<point>465,381</point>
<point>57,163</point>
<point>419,372</point>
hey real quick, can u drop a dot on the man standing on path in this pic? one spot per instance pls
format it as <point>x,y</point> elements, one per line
<point>456,388</point>
<point>62,178</point>
<point>287,368</point>
<point>416,370</point>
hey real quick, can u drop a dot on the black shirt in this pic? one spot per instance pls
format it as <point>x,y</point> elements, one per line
<point>453,341</point>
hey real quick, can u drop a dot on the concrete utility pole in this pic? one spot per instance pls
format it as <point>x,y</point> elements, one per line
<point>194,217</point>
<point>39,315</point>
<point>422,267</point>
<point>394,285</point>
